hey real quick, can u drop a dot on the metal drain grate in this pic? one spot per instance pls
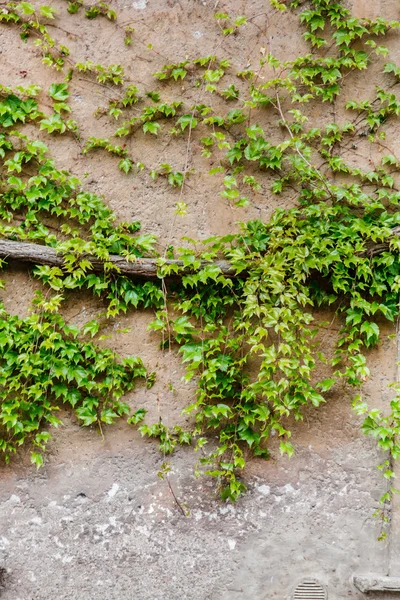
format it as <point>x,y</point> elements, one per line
<point>310,589</point>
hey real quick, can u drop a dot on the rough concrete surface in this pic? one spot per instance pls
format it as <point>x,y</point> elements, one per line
<point>103,525</point>
<point>96,521</point>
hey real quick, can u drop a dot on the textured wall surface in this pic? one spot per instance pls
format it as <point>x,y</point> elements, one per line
<point>96,521</point>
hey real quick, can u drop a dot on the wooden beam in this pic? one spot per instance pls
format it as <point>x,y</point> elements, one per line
<point>142,267</point>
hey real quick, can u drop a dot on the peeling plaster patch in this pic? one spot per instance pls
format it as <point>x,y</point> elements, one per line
<point>113,490</point>
<point>265,490</point>
<point>102,529</point>
<point>139,4</point>
<point>143,530</point>
<point>227,509</point>
<point>4,543</point>
<point>231,544</point>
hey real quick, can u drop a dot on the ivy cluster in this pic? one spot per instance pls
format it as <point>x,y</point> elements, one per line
<point>45,364</point>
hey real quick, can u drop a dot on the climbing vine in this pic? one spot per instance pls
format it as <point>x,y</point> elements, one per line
<point>248,337</point>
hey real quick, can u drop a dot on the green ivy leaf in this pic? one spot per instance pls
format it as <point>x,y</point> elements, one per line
<point>137,416</point>
<point>59,91</point>
<point>47,11</point>
<point>36,459</point>
<point>151,127</point>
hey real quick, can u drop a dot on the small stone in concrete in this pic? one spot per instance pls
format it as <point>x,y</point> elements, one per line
<point>113,490</point>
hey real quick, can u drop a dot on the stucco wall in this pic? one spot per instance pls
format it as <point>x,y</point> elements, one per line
<point>96,521</point>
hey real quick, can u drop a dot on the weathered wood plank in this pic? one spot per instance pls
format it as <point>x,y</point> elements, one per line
<point>142,267</point>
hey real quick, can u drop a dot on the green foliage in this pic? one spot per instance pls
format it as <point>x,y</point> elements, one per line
<point>59,91</point>
<point>229,25</point>
<point>31,20</point>
<point>128,35</point>
<point>174,178</point>
<point>173,71</point>
<point>112,74</point>
<point>93,11</point>
<point>46,365</point>
<point>169,437</point>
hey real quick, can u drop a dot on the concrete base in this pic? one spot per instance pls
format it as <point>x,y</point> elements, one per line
<point>376,583</point>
